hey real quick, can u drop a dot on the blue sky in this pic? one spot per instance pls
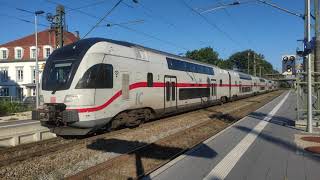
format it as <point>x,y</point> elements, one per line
<point>170,26</point>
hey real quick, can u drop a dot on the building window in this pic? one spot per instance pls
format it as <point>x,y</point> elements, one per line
<point>33,54</point>
<point>4,91</point>
<point>48,52</point>
<point>19,93</point>
<point>4,53</point>
<point>33,74</point>
<point>19,74</point>
<point>4,74</point>
<point>18,52</point>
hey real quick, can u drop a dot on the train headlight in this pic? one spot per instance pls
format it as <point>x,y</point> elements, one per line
<point>71,98</point>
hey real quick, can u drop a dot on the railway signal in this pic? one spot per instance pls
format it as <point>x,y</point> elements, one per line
<point>289,64</point>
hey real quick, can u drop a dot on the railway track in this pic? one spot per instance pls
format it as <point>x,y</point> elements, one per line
<point>148,157</point>
<point>22,154</point>
<point>31,150</point>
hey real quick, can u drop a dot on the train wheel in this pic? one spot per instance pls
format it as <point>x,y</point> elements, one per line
<point>117,121</point>
<point>223,100</point>
<point>148,115</point>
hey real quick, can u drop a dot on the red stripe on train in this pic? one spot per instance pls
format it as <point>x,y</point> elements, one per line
<point>144,84</point>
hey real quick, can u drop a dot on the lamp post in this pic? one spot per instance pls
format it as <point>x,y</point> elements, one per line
<point>309,66</point>
<point>37,66</point>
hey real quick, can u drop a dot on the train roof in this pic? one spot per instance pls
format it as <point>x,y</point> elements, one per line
<point>91,41</point>
<point>85,44</point>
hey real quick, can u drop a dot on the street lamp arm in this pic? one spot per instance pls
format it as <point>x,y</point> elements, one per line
<point>125,23</point>
<point>222,6</point>
<point>235,3</point>
<point>282,9</point>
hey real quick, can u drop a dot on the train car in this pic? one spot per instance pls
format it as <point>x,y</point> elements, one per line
<point>262,85</point>
<point>256,85</point>
<point>100,83</point>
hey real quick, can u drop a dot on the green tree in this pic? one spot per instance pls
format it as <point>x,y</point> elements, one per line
<point>237,60</point>
<point>206,55</point>
<point>240,61</point>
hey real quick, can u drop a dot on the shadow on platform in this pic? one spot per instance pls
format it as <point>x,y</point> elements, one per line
<point>280,120</point>
<point>148,151</point>
<point>290,146</point>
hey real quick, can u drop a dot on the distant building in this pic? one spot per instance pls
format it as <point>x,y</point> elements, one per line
<point>17,62</point>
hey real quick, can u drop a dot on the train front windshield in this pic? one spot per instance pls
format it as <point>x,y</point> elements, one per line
<point>60,73</point>
<point>58,76</point>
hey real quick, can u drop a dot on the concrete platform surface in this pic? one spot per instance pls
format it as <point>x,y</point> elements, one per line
<point>262,145</point>
<point>18,122</point>
<point>13,133</point>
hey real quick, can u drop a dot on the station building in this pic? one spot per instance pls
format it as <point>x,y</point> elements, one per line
<point>17,62</point>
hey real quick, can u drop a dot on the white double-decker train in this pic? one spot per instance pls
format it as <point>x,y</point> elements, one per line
<point>101,83</point>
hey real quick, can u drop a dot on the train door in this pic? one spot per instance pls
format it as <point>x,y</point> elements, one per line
<point>170,93</point>
<point>214,89</point>
<point>229,85</point>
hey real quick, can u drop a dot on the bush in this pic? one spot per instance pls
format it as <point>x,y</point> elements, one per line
<point>7,108</point>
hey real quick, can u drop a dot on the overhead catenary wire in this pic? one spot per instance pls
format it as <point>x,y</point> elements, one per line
<point>148,12</point>
<point>153,37</point>
<point>213,25</point>
<point>236,22</point>
<point>102,18</point>
<point>23,20</point>
<point>22,10</point>
<point>124,27</point>
<point>87,5</point>
<point>94,4</point>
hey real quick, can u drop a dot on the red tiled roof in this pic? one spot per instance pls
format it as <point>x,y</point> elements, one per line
<point>45,37</point>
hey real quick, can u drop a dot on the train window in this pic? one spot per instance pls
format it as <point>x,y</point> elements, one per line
<point>187,66</point>
<point>192,93</point>
<point>220,82</point>
<point>173,91</point>
<point>150,80</point>
<point>245,76</point>
<point>214,89</point>
<point>262,80</point>
<point>105,77</point>
<point>167,91</point>
<point>98,76</point>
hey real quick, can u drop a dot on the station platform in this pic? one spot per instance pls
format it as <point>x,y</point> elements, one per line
<point>16,132</point>
<point>263,145</point>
